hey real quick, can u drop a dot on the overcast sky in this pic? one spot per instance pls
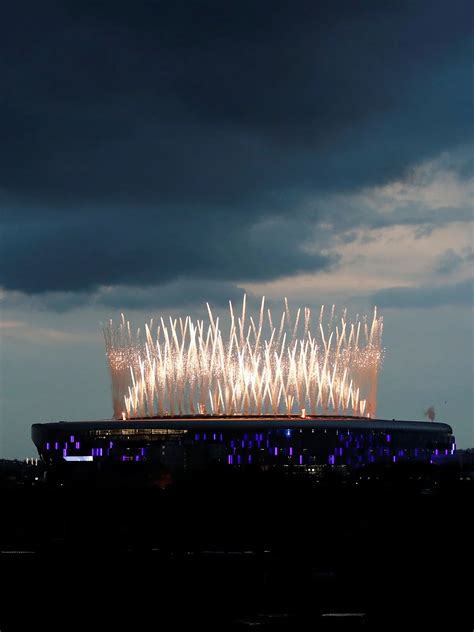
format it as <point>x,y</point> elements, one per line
<point>158,155</point>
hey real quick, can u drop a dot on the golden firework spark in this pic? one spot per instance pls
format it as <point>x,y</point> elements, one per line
<point>189,367</point>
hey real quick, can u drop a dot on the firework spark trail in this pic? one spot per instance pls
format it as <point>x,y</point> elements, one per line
<point>188,367</point>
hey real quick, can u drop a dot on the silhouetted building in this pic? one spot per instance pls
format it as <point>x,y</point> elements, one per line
<point>180,445</point>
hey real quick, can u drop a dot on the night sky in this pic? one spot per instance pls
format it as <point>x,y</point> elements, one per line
<point>158,155</point>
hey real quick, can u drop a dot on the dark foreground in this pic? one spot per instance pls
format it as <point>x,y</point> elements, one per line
<point>234,553</point>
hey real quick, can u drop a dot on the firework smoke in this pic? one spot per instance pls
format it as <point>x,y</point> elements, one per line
<point>430,413</point>
<point>262,367</point>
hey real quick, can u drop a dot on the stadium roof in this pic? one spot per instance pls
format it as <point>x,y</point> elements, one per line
<point>201,422</point>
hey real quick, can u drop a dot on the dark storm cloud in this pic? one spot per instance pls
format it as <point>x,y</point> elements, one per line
<point>150,141</point>
<point>451,261</point>
<point>181,293</point>
<point>461,293</point>
<point>78,253</point>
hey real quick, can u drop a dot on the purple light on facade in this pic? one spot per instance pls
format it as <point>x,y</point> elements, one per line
<point>250,458</point>
<point>71,438</point>
<point>232,443</point>
<point>331,459</point>
<point>301,459</point>
<point>394,458</point>
<point>111,444</point>
<point>196,437</point>
<point>214,437</point>
<point>56,445</point>
<point>243,443</point>
<point>205,436</point>
<point>238,459</point>
<point>220,437</point>
<point>389,438</point>
<point>78,445</point>
<point>47,446</point>
<point>291,451</point>
<point>229,459</point>
<point>137,458</point>
<point>142,450</point>
<point>340,451</point>
<point>436,451</point>
<point>276,452</point>
<point>65,452</point>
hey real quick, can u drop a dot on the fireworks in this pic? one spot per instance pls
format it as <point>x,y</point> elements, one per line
<point>261,367</point>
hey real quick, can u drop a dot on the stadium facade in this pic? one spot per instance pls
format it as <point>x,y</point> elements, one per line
<point>181,445</point>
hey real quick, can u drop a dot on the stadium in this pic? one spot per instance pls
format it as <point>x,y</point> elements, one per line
<point>180,446</point>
